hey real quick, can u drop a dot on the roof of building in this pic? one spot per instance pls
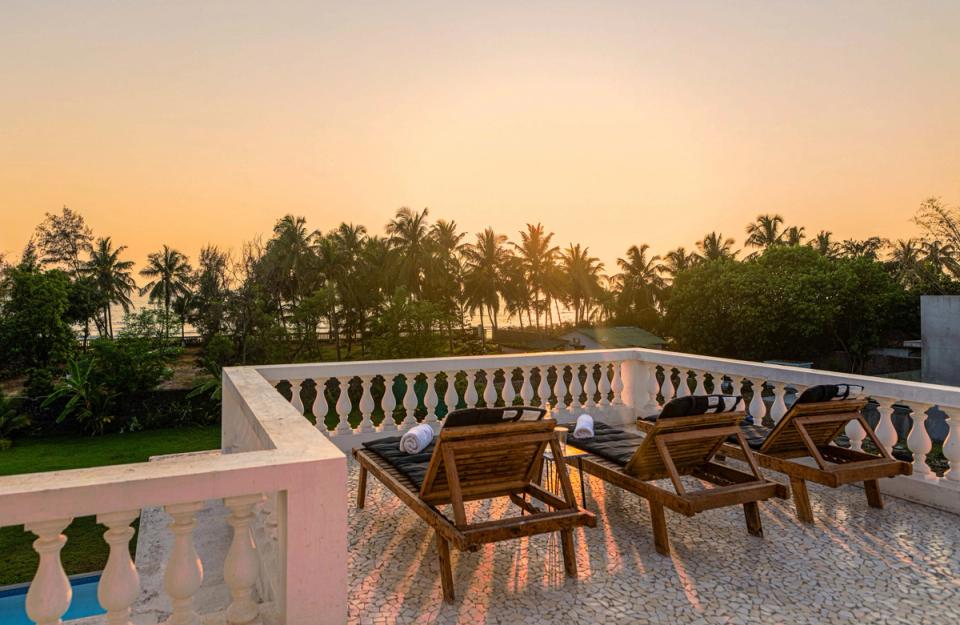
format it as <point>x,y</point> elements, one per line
<point>622,336</point>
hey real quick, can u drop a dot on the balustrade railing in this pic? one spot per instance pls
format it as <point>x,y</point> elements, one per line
<point>276,476</point>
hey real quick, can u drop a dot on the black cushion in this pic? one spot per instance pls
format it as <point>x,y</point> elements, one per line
<point>699,404</point>
<point>491,416</point>
<point>413,466</point>
<point>607,442</point>
<point>829,392</point>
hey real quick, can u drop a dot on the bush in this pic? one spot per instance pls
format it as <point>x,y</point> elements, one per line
<point>11,421</point>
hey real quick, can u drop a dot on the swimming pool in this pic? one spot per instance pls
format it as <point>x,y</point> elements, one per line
<point>84,603</point>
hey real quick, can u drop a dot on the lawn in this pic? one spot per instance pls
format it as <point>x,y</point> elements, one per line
<point>85,550</point>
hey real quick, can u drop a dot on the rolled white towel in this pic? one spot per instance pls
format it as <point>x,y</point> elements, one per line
<point>584,427</point>
<point>416,439</point>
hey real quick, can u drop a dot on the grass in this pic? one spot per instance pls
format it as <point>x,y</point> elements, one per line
<point>85,550</point>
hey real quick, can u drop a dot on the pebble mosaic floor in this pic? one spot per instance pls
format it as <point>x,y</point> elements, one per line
<point>857,565</point>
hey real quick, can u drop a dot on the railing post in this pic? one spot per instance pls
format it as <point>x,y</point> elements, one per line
<point>636,384</point>
<point>366,404</point>
<point>242,565</point>
<point>119,584</point>
<point>951,446</point>
<point>886,431</point>
<point>50,593</point>
<point>388,404</point>
<point>312,521</point>
<point>919,441</point>
<point>184,572</point>
<point>320,406</point>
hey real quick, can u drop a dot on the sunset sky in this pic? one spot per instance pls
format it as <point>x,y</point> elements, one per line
<point>612,122</point>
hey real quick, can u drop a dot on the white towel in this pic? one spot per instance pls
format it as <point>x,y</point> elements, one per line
<point>584,427</point>
<point>416,439</point>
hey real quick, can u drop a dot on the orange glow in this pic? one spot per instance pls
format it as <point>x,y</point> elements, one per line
<point>614,123</point>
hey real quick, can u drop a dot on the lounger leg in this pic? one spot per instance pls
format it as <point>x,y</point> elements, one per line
<point>446,569</point>
<point>874,498</point>
<point>362,487</point>
<point>801,499</point>
<point>751,510</point>
<point>569,555</point>
<point>660,538</point>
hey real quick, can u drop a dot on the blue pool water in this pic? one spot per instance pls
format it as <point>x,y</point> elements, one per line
<point>84,603</point>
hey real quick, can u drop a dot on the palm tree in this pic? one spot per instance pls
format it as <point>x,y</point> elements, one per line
<point>941,256</point>
<point>408,235</point>
<point>537,257</point>
<point>170,277</point>
<point>485,260</point>
<point>865,248</point>
<point>714,247</point>
<point>678,260</point>
<point>112,277</point>
<point>794,235</point>
<point>640,282</point>
<point>765,231</point>
<point>583,276</point>
<point>905,261</point>
<point>824,244</point>
<point>517,296</point>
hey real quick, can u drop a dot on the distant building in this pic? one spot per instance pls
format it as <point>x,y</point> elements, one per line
<point>940,336</point>
<point>516,341</point>
<point>613,338</point>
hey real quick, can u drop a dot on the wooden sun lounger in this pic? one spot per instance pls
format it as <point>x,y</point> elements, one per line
<point>680,446</point>
<point>483,462</point>
<point>808,431</point>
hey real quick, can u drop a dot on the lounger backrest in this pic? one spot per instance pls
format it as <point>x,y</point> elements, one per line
<point>491,416</point>
<point>786,439</point>
<point>647,462</point>
<point>490,460</point>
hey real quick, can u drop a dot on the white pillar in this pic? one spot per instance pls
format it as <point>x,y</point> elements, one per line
<point>388,404</point>
<point>119,583</point>
<point>470,396</point>
<point>951,445</point>
<point>184,572</point>
<point>320,407</point>
<point>543,388</point>
<point>410,402</point>
<point>344,406</point>
<point>604,386</point>
<point>885,430</point>
<point>50,593</point>
<point>526,390</point>
<point>616,385</point>
<point>590,385</point>
<point>779,407</point>
<point>683,383</point>
<point>576,388</point>
<point>242,565</point>
<point>509,393</point>
<point>701,379</point>
<point>919,441</point>
<point>366,404</point>
<point>430,399</point>
<point>489,389</point>
<point>295,399</point>
<point>757,407</point>
<point>450,396</point>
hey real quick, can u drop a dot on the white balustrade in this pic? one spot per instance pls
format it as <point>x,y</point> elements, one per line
<point>576,388</point>
<point>388,404</point>
<point>779,406</point>
<point>450,397</point>
<point>490,389</point>
<point>667,390</point>
<point>470,397</point>
<point>653,385</point>
<point>241,568</point>
<point>757,408</point>
<point>184,573</point>
<point>616,385</point>
<point>366,404</point>
<point>590,385</point>
<point>295,399</point>
<point>526,390</point>
<point>344,406</point>
<point>543,388</point>
<point>320,407</point>
<point>951,445</point>
<point>885,430</point>
<point>431,400</point>
<point>119,582</point>
<point>50,593</point>
<point>700,377</point>
<point>683,383</point>
<point>919,440</point>
<point>604,385</point>
<point>509,392</point>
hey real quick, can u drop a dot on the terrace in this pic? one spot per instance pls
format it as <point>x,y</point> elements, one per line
<point>300,553</point>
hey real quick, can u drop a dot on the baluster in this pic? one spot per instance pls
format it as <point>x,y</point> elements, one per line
<point>184,572</point>
<point>430,399</point>
<point>717,382</point>
<point>344,407</point>
<point>543,388</point>
<point>666,387</point>
<point>736,387</point>
<point>295,399</point>
<point>617,384</point>
<point>450,397</point>
<point>757,407</point>
<point>779,406</point>
<point>242,565</point>
<point>470,396</point>
<point>320,407</point>
<point>509,393</point>
<point>919,441</point>
<point>604,386</point>
<point>50,593</point>
<point>885,430</point>
<point>683,383</point>
<point>576,388</point>
<point>562,387</point>
<point>653,385</point>
<point>951,445</point>
<point>119,582</point>
<point>410,402</point>
<point>490,389</point>
<point>366,404</point>
<point>526,390</point>
<point>700,377</point>
<point>388,403</point>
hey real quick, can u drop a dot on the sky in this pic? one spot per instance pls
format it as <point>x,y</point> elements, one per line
<point>613,123</point>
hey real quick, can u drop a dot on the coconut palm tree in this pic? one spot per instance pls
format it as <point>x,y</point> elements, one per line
<point>170,277</point>
<point>537,256</point>
<point>485,260</point>
<point>640,282</point>
<point>765,231</point>
<point>941,256</point>
<point>794,235</point>
<point>824,244</point>
<point>865,248</point>
<point>517,296</point>
<point>408,235</point>
<point>112,276</point>
<point>905,261</point>
<point>583,275</point>
<point>679,259</point>
<point>714,246</point>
